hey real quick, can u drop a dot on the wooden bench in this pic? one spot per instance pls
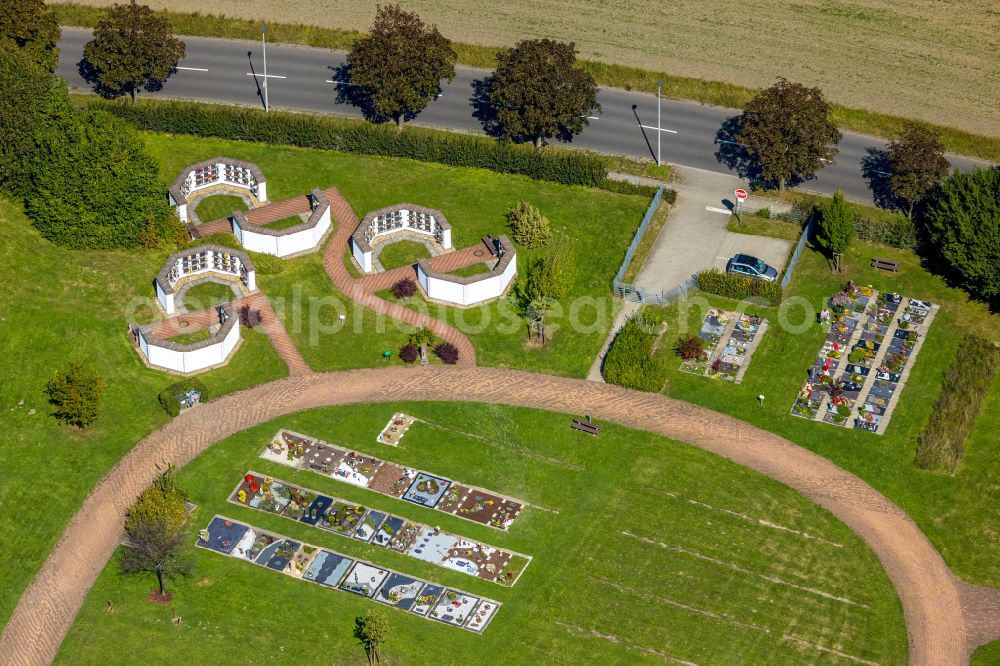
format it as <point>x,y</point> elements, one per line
<point>584,426</point>
<point>885,264</point>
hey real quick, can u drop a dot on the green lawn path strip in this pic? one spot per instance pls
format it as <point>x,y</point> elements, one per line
<point>294,558</point>
<point>300,451</point>
<point>416,540</point>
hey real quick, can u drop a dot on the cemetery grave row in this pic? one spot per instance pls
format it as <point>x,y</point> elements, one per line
<point>873,340</point>
<point>395,429</point>
<point>337,571</point>
<point>423,488</point>
<point>416,540</point>
<point>730,339</point>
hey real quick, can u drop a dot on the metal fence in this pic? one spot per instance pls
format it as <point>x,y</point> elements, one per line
<point>799,248</point>
<point>630,292</point>
<point>639,233</point>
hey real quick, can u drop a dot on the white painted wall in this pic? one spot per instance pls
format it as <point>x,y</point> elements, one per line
<point>490,288</point>
<point>282,246</point>
<point>191,361</point>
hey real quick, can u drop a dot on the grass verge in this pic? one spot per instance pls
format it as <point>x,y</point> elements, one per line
<point>646,244</point>
<point>607,74</point>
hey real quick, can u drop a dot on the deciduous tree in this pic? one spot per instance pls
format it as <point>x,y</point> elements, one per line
<point>916,163</point>
<point>132,48</point>
<point>33,28</point>
<point>537,92</point>
<point>962,223</point>
<point>153,525</point>
<point>787,129</point>
<point>551,278</point>
<point>372,630</point>
<point>400,63</point>
<point>76,394</point>
<point>835,228</point>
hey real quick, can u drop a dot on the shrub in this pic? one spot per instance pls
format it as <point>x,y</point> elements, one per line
<point>404,288</point>
<point>162,501</point>
<point>966,384</point>
<point>360,137</point>
<point>264,264</point>
<point>423,336</point>
<point>689,347</point>
<point>409,353</point>
<point>249,317</point>
<point>447,352</point>
<point>76,395</point>
<point>528,227</point>
<point>763,213</point>
<point>893,229</point>
<point>170,397</point>
<point>739,287</point>
<point>835,227</point>
<point>626,187</point>
<point>630,361</point>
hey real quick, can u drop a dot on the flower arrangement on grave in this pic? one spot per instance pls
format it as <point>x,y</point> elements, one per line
<point>248,478</point>
<point>242,496</point>
<point>254,487</point>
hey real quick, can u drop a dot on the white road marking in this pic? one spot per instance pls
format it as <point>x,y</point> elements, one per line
<point>714,209</point>
<point>270,76</point>
<point>662,129</point>
<point>192,69</point>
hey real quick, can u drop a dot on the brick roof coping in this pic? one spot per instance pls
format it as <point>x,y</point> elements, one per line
<point>175,189</point>
<point>231,319</point>
<point>244,223</point>
<point>508,256</point>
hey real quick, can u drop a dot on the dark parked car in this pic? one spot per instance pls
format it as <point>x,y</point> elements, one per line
<point>744,264</point>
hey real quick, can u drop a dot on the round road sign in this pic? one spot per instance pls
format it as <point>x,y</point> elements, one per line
<point>741,194</point>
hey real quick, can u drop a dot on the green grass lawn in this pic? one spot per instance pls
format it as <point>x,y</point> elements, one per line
<point>204,295</point>
<point>959,513</point>
<point>591,594</point>
<point>218,206</point>
<point>600,224</point>
<point>192,337</point>
<point>75,307</point>
<point>285,222</point>
<point>762,226</point>
<point>987,655</point>
<point>402,253</point>
<point>469,271</point>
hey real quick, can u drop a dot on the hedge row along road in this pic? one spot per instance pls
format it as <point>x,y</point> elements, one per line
<point>944,620</point>
<point>301,79</point>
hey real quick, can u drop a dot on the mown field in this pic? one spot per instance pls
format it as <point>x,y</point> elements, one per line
<point>928,60</point>
<point>645,550</point>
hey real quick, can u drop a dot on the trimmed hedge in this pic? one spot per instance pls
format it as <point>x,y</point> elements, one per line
<point>170,397</point>
<point>359,137</point>
<point>626,187</point>
<point>630,362</point>
<point>941,444</point>
<point>739,287</point>
<point>895,230</point>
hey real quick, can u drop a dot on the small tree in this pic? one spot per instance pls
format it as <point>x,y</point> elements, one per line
<point>836,228</point>
<point>153,525</point>
<point>537,92</point>
<point>916,163</point>
<point>528,226</point>
<point>401,62</point>
<point>372,630</point>
<point>76,395</point>
<point>689,347</point>
<point>962,223</point>
<point>33,28</point>
<point>552,278</point>
<point>787,129</point>
<point>132,48</point>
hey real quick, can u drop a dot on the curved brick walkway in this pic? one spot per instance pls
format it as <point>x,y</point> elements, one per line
<point>333,262</point>
<point>929,593</point>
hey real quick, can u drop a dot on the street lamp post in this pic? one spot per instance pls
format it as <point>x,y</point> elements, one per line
<point>263,45</point>
<point>659,128</point>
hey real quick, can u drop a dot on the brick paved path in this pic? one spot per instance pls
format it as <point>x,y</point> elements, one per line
<point>333,262</point>
<point>929,593</point>
<point>271,326</point>
<point>443,263</point>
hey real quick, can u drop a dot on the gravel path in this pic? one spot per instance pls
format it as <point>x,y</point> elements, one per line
<point>930,594</point>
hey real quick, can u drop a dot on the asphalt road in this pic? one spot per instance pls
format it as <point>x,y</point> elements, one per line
<point>302,79</point>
